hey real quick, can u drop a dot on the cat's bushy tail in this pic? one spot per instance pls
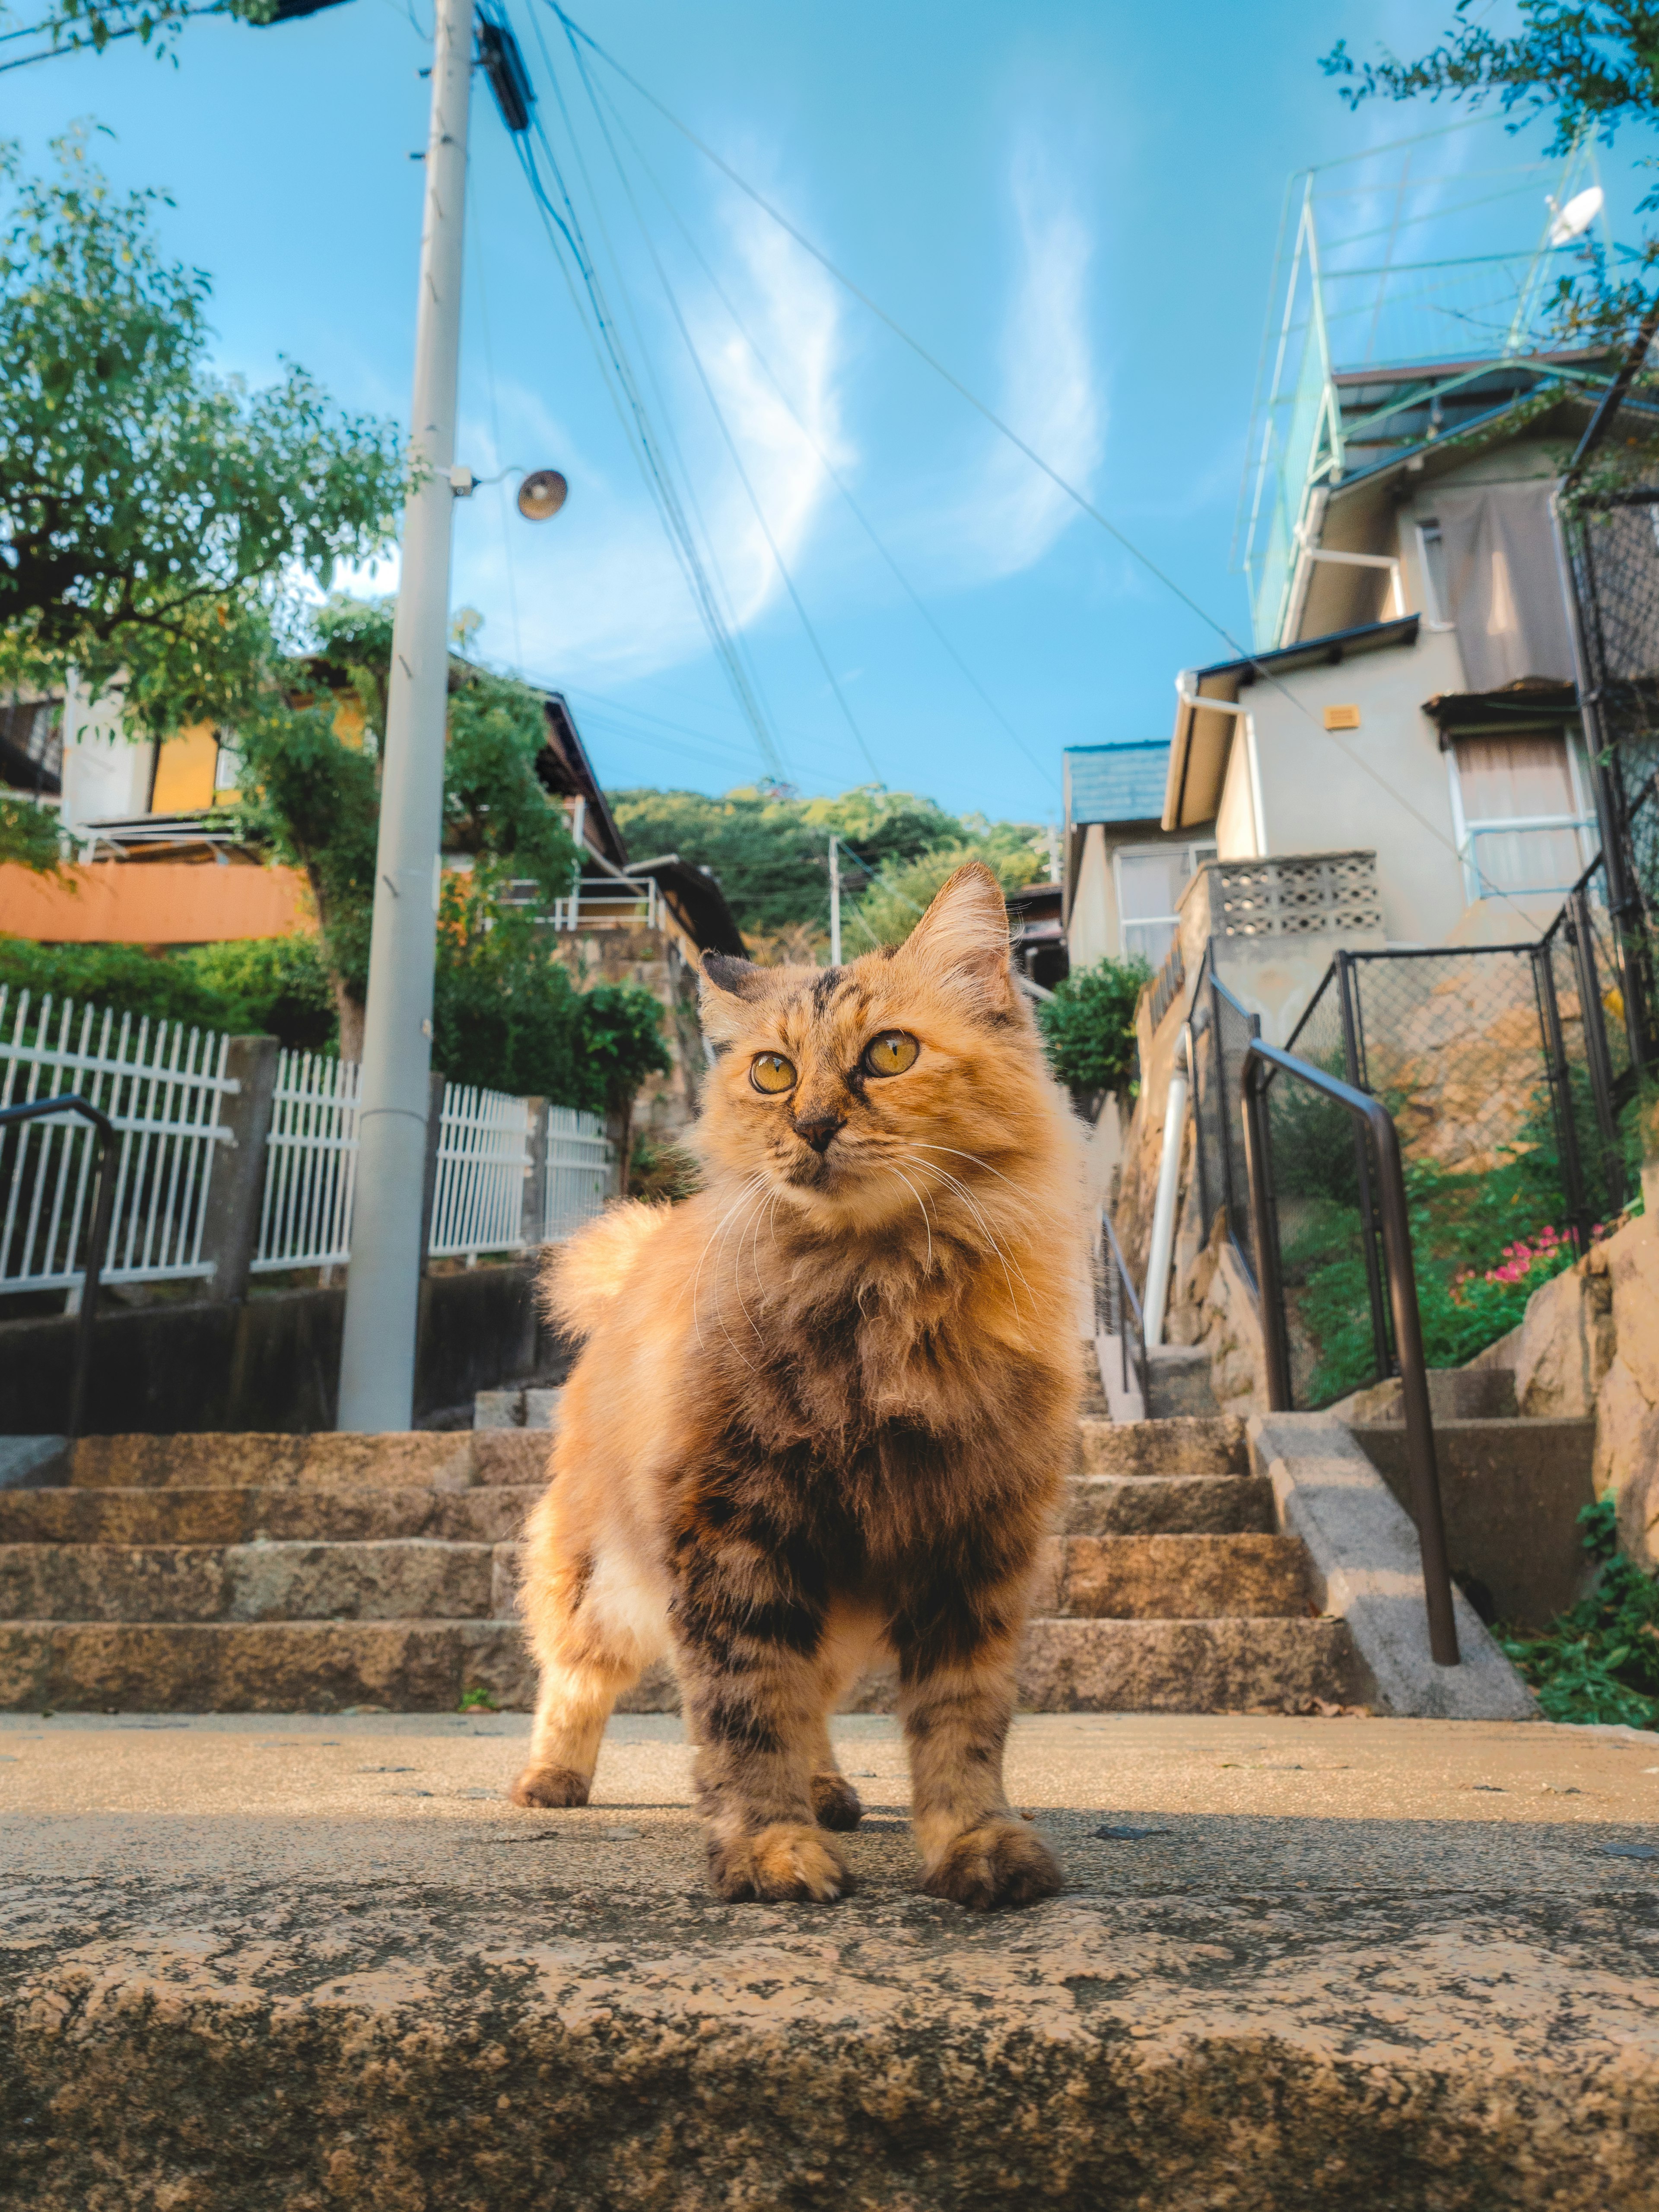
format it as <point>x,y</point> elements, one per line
<point>581,1277</point>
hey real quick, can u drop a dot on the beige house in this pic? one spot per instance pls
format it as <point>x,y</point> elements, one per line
<point>1410,717</point>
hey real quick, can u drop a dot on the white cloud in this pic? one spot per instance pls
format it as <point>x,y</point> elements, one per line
<point>600,595</point>
<point>1049,392</point>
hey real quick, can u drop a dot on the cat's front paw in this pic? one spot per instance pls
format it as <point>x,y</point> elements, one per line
<point>549,1786</point>
<point>1001,1862</point>
<point>836,1802</point>
<point>786,1863</point>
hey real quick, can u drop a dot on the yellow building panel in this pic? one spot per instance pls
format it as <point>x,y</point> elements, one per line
<point>185,769</point>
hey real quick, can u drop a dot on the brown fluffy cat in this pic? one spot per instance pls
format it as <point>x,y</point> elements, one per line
<point>824,1409</point>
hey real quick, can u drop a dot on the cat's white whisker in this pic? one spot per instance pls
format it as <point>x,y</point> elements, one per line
<point>917,1145</point>
<point>696,1310</point>
<point>926,1223</point>
<point>968,1200</point>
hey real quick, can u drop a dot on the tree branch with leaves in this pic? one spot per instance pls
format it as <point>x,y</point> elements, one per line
<point>1591,71</point>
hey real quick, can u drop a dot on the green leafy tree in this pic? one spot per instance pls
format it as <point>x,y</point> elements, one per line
<point>266,986</point>
<point>1089,1025</point>
<point>155,519</point>
<point>1590,69</point>
<point>311,780</point>
<point>67,26</point>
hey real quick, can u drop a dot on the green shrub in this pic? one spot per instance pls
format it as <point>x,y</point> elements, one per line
<point>1599,1660</point>
<point>1089,1025</point>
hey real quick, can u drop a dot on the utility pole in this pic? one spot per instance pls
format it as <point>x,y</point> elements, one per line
<point>377,1359</point>
<point>834,901</point>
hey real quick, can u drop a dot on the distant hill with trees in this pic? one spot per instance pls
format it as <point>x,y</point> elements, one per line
<point>771,853</point>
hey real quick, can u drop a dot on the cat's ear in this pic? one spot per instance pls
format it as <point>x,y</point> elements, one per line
<point>963,939</point>
<point>724,985</point>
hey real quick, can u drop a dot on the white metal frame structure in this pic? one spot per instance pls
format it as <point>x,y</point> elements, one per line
<point>1470,289</point>
<point>1470,829</point>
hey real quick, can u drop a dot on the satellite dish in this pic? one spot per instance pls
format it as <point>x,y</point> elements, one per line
<point>1575,219</point>
<point>542,494</point>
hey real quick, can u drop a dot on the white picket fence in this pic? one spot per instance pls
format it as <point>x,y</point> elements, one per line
<point>162,1086</point>
<point>311,1164</point>
<point>484,1157</point>
<point>581,1162</point>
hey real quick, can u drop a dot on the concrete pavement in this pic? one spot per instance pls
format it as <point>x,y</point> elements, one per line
<point>266,1961</point>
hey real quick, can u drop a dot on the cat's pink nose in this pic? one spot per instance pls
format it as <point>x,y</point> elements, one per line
<point>818,1130</point>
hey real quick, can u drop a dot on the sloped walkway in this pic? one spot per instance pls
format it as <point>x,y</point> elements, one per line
<point>257,1961</point>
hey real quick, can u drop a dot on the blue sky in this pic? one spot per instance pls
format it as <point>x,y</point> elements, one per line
<point>1074,206</point>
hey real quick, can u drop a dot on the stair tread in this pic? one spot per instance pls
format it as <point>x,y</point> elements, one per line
<point>1065,1665</point>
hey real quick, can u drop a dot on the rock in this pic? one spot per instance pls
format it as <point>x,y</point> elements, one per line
<point>1631,1260</point>
<point>1626,1464</point>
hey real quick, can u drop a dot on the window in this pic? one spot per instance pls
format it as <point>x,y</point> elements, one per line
<point>1436,591</point>
<point>1150,881</point>
<point>1524,818</point>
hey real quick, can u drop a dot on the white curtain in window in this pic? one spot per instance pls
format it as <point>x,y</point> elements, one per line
<point>1505,587</point>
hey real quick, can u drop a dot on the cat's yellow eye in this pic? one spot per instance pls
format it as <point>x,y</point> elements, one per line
<point>890,1054</point>
<point>771,1071</point>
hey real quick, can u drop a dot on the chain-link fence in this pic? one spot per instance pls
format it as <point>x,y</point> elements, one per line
<point>1503,1068</point>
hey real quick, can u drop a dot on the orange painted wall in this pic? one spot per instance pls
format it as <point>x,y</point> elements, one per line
<point>153,902</point>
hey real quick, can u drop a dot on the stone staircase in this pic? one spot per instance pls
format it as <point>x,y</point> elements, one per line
<point>277,1573</point>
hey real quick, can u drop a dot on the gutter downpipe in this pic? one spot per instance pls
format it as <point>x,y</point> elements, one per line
<point>1193,701</point>
<point>1163,1205</point>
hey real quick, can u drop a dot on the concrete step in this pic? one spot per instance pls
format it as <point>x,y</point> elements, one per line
<point>412,1580</point>
<point>443,1460</point>
<point>1181,1577</point>
<point>1214,1445</point>
<point>426,1665</point>
<point>1118,1577</point>
<point>1186,1666</point>
<point>1163,1505</point>
<point>264,1667</point>
<point>495,1515</point>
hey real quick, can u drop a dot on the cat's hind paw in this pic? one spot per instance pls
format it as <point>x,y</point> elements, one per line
<point>836,1802</point>
<point>786,1863</point>
<point>1001,1862</point>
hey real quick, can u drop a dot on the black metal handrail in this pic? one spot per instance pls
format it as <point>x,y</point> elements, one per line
<point>103,1208</point>
<point>1117,1309</point>
<point>1262,1062</point>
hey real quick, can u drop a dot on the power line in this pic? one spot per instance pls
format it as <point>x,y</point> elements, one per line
<point>1078,498</point>
<point>574,30</point>
<point>834,474</point>
<point>725,430</point>
<point>629,403</point>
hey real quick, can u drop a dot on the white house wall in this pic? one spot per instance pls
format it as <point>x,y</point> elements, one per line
<point>1092,931</point>
<point>1317,797</point>
<point>106,776</point>
<point>1235,819</point>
